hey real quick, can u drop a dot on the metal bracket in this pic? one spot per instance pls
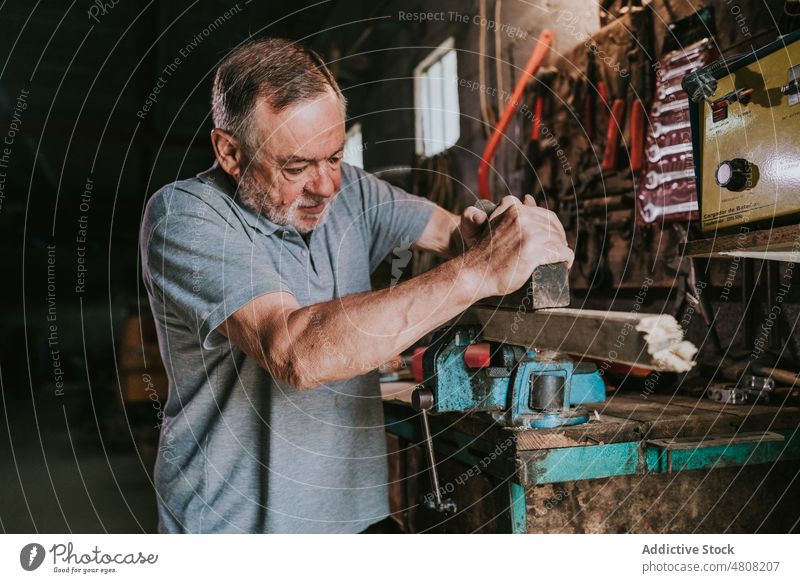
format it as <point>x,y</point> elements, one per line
<point>669,446</point>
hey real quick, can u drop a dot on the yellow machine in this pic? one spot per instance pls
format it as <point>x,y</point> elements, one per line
<point>745,114</point>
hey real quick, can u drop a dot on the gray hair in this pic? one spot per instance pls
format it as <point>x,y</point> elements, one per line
<point>278,70</point>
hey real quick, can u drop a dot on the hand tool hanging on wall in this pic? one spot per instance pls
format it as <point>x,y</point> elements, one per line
<point>605,107</point>
<point>540,51</point>
<point>590,97</point>
<point>616,124</point>
<point>533,158</point>
<point>640,60</point>
<point>595,102</point>
<point>540,135</point>
<point>638,112</point>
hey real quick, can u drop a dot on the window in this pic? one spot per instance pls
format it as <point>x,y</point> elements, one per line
<point>436,100</point>
<point>354,146</point>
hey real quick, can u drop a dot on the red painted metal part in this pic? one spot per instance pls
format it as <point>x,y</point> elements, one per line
<point>416,364</point>
<point>536,126</point>
<point>535,60</point>
<point>638,131</point>
<point>614,135</point>
<point>478,355</point>
<point>602,90</point>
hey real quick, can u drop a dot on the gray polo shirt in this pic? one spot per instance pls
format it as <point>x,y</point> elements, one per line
<point>240,451</point>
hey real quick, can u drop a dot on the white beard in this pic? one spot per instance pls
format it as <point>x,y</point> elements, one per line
<point>257,198</point>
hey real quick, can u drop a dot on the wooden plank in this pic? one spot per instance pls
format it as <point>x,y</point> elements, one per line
<point>750,417</point>
<point>652,341</point>
<point>779,243</point>
<point>663,419</point>
<point>709,405</point>
<point>691,426</point>
<point>648,412</point>
<point>592,433</point>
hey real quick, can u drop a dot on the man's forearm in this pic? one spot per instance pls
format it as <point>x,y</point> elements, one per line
<point>441,236</point>
<point>354,334</point>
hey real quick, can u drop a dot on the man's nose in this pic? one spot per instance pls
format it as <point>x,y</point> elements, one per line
<point>324,181</point>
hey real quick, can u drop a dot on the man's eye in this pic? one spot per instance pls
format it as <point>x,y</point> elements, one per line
<point>295,171</point>
<point>335,160</point>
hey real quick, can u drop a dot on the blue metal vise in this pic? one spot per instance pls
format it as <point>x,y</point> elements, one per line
<point>518,387</point>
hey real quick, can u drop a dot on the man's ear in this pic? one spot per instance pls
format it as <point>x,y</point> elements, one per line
<point>228,151</point>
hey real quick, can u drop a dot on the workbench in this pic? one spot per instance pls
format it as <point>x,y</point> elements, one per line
<point>644,463</point>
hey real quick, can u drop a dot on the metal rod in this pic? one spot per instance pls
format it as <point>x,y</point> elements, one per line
<point>431,458</point>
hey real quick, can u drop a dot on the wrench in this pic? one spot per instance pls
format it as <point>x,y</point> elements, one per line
<point>682,54</point>
<point>651,212</point>
<point>678,72</point>
<point>654,179</point>
<point>676,105</point>
<point>654,153</point>
<point>660,129</point>
<point>666,91</point>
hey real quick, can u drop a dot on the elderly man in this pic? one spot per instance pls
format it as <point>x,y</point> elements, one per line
<point>258,272</point>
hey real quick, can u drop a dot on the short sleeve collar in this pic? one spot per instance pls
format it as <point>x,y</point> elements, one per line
<point>217,178</point>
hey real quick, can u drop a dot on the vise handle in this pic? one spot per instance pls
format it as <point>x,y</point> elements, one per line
<point>422,401</point>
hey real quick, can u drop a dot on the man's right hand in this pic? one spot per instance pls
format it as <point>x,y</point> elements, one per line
<point>518,238</point>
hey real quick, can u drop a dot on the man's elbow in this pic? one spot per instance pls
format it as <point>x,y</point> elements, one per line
<point>284,365</point>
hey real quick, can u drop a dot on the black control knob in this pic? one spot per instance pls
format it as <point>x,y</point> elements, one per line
<point>733,174</point>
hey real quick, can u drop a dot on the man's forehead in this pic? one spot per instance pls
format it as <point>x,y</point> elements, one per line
<point>309,130</point>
